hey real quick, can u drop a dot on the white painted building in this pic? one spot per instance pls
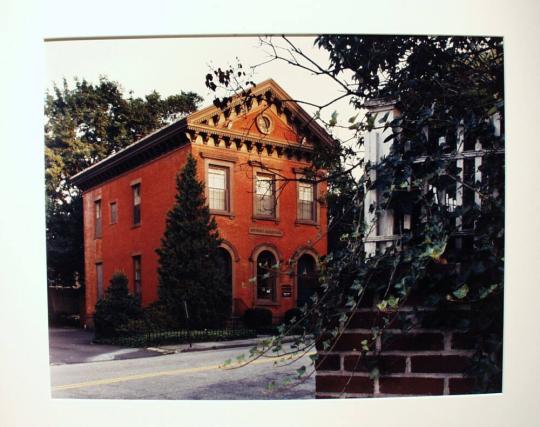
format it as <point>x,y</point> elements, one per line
<point>382,232</point>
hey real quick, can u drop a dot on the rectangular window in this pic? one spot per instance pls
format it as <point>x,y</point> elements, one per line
<point>114,212</point>
<point>218,188</point>
<point>137,274</point>
<point>306,201</point>
<point>97,213</point>
<point>99,279</point>
<point>265,196</point>
<point>136,204</point>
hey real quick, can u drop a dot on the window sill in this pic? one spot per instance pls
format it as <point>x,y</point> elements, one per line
<point>306,222</point>
<point>265,218</point>
<point>136,225</point>
<point>223,213</point>
<point>265,303</point>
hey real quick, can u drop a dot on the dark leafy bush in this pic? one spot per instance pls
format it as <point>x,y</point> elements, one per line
<point>181,336</point>
<point>291,324</point>
<point>116,309</point>
<point>258,318</point>
<point>157,317</point>
<point>132,327</point>
<point>293,313</point>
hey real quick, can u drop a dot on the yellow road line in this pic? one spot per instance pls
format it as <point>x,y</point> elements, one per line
<point>173,372</point>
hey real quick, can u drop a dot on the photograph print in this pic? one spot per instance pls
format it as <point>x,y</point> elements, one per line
<point>275,217</point>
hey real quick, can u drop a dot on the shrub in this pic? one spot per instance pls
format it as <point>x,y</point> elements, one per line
<point>258,318</point>
<point>157,317</point>
<point>116,309</point>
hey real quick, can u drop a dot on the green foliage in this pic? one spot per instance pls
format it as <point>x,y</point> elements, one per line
<point>258,318</point>
<point>116,309</point>
<point>292,315</point>
<point>189,268</point>
<point>65,248</point>
<point>89,122</point>
<point>156,317</point>
<point>85,124</point>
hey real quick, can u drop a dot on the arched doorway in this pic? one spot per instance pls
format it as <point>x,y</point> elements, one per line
<point>225,263</point>
<point>306,279</point>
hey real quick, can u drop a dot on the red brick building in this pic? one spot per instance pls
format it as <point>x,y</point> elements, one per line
<point>251,158</point>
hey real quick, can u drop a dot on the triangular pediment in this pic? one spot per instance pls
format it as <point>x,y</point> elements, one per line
<point>266,113</point>
<point>287,130</point>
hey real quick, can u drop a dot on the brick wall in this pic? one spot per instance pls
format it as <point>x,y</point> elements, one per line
<point>122,240</point>
<point>415,361</point>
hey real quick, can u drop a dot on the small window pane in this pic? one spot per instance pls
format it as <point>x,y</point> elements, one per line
<point>306,203</point>
<point>99,280</point>
<point>218,191</point>
<point>97,208</point>
<point>136,204</point>
<point>264,185</point>
<point>265,195</point>
<point>306,192</point>
<point>137,194</point>
<point>114,213</point>
<point>136,214</point>
<point>216,178</point>
<point>137,274</point>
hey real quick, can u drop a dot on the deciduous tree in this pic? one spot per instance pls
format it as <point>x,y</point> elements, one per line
<point>84,124</point>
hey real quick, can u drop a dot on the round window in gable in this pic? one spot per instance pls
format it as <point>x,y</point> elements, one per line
<point>264,124</point>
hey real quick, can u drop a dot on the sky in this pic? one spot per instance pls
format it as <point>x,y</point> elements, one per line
<point>171,65</point>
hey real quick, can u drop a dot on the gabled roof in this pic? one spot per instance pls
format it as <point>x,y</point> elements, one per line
<point>297,129</point>
<point>268,92</point>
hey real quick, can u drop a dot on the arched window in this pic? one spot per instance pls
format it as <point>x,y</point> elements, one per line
<point>266,276</point>
<point>306,279</point>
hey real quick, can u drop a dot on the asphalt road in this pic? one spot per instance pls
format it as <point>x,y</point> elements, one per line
<point>194,375</point>
<point>70,345</point>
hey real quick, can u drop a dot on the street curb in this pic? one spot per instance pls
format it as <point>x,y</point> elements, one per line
<point>160,350</point>
<point>216,346</point>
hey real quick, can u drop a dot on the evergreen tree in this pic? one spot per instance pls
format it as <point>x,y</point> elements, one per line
<point>189,269</point>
